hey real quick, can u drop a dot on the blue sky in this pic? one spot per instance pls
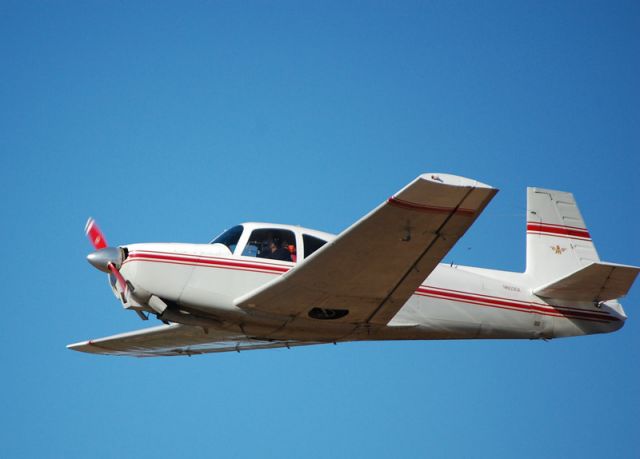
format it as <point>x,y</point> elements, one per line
<point>171,121</point>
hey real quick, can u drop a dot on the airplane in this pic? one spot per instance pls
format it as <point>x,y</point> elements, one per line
<point>262,285</point>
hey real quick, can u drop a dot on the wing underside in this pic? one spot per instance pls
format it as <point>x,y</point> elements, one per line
<point>176,339</point>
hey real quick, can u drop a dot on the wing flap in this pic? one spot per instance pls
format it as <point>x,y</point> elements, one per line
<point>373,267</point>
<point>595,282</point>
<point>176,339</point>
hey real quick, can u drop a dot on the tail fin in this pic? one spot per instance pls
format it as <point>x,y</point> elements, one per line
<point>558,242</point>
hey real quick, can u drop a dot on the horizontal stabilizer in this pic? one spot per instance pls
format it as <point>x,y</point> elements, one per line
<point>595,282</point>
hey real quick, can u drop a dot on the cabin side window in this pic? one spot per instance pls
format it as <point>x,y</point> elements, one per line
<point>274,244</point>
<point>230,237</point>
<point>311,244</point>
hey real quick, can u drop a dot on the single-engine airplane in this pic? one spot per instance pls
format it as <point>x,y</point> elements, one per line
<point>260,286</point>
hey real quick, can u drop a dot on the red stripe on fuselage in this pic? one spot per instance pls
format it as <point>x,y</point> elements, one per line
<point>206,261</point>
<point>524,303</point>
<point>427,291</point>
<point>506,303</point>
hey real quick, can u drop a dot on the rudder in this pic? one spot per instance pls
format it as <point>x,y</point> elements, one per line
<point>558,242</point>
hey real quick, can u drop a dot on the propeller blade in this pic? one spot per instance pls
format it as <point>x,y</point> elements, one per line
<point>105,258</point>
<point>118,276</point>
<point>94,234</point>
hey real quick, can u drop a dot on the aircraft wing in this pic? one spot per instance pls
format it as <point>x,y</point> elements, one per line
<point>372,268</point>
<point>177,339</point>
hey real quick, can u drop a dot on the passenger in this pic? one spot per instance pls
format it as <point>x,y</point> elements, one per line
<point>279,253</point>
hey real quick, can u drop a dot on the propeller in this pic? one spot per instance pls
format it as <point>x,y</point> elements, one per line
<point>105,258</point>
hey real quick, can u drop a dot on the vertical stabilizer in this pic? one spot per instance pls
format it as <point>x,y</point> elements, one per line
<point>558,242</point>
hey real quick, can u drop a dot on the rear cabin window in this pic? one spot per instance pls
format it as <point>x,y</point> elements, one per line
<point>273,244</point>
<point>230,237</point>
<point>311,244</point>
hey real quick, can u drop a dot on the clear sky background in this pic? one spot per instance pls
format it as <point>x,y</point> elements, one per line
<point>171,121</point>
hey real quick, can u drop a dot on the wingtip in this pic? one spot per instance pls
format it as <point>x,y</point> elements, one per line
<point>82,346</point>
<point>453,180</point>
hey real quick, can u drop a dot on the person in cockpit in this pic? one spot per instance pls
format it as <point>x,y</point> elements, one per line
<point>278,252</point>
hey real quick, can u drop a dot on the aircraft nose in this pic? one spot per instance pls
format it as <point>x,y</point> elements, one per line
<point>101,259</point>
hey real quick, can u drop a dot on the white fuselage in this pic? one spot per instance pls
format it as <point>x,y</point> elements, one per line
<point>454,302</point>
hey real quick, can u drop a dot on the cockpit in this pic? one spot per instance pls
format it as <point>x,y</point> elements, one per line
<point>272,242</point>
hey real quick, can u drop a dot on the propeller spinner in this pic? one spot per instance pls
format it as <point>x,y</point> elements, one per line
<point>105,258</point>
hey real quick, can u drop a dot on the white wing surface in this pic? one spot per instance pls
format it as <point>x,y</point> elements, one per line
<point>176,339</point>
<point>372,268</point>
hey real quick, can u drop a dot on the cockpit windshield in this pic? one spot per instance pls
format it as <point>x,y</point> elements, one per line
<point>230,237</point>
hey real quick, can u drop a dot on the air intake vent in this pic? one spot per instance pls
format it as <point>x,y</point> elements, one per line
<point>327,314</point>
